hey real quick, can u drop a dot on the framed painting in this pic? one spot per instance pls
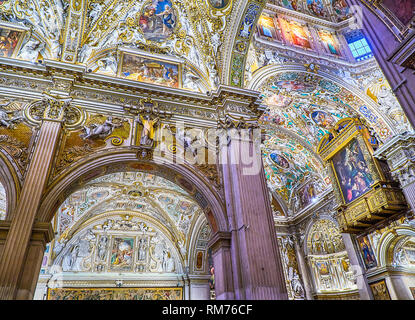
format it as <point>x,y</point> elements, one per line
<point>380,290</point>
<point>295,33</point>
<point>157,20</point>
<point>266,27</point>
<point>367,252</point>
<point>323,268</point>
<point>10,41</point>
<point>150,69</point>
<point>352,173</point>
<point>330,42</point>
<point>122,254</point>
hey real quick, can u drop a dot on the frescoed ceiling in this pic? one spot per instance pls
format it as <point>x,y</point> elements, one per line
<point>145,193</point>
<point>309,105</point>
<point>292,170</point>
<point>90,32</point>
<point>332,10</point>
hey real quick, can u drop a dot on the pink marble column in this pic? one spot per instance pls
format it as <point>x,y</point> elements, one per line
<point>16,253</point>
<point>256,263</point>
<point>220,245</point>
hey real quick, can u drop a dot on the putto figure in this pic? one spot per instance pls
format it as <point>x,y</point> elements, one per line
<point>100,131</point>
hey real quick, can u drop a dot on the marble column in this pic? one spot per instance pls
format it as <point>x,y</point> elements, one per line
<point>220,244</point>
<point>357,266</point>
<point>256,262</point>
<point>399,153</point>
<point>304,270</point>
<point>383,43</point>
<point>18,252</point>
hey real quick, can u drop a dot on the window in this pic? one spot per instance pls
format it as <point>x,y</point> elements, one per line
<point>360,49</point>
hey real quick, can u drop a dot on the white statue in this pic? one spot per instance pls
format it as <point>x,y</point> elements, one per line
<point>108,65</point>
<point>245,32</point>
<point>102,247</point>
<point>192,82</point>
<point>5,120</point>
<point>99,130</point>
<point>95,12</point>
<point>142,250</point>
<point>216,42</point>
<point>85,52</point>
<point>31,50</point>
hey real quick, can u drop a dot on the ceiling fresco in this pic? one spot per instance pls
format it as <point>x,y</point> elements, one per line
<point>292,170</point>
<point>309,105</point>
<point>148,194</point>
<point>332,10</point>
<point>91,32</point>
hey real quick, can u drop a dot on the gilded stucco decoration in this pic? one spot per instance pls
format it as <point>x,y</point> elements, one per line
<point>15,133</point>
<point>328,259</point>
<point>144,193</point>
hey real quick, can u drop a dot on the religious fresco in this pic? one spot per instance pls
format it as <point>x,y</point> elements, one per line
<point>295,33</point>
<point>404,253</point>
<point>341,9</point>
<point>115,294</point>
<point>211,269</point>
<point>146,69</point>
<point>352,171</point>
<point>310,106</point>
<point>3,202</point>
<point>290,166</point>
<point>402,9</point>
<point>157,20</point>
<point>266,27</point>
<point>219,4</point>
<point>289,4</point>
<point>9,42</point>
<point>130,191</point>
<point>330,42</point>
<point>317,8</point>
<point>367,253</point>
<point>122,254</point>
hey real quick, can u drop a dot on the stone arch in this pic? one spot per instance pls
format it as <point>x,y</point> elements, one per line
<point>387,242</point>
<point>125,159</point>
<point>10,181</point>
<point>236,47</point>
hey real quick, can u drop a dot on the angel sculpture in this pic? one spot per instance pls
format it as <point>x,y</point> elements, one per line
<point>147,135</point>
<point>100,131</point>
<point>5,119</point>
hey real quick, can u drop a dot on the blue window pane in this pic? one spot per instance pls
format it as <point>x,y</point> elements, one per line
<point>360,49</point>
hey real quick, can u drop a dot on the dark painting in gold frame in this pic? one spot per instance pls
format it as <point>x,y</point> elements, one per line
<point>351,169</point>
<point>380,290</point>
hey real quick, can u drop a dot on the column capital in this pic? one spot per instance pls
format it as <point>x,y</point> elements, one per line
<point>220,239</point>
<point>41,231</point>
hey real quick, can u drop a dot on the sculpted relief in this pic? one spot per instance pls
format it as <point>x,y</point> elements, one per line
<point>118,244</point>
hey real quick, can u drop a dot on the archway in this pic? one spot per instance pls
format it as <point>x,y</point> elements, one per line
<point>129,229</point>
